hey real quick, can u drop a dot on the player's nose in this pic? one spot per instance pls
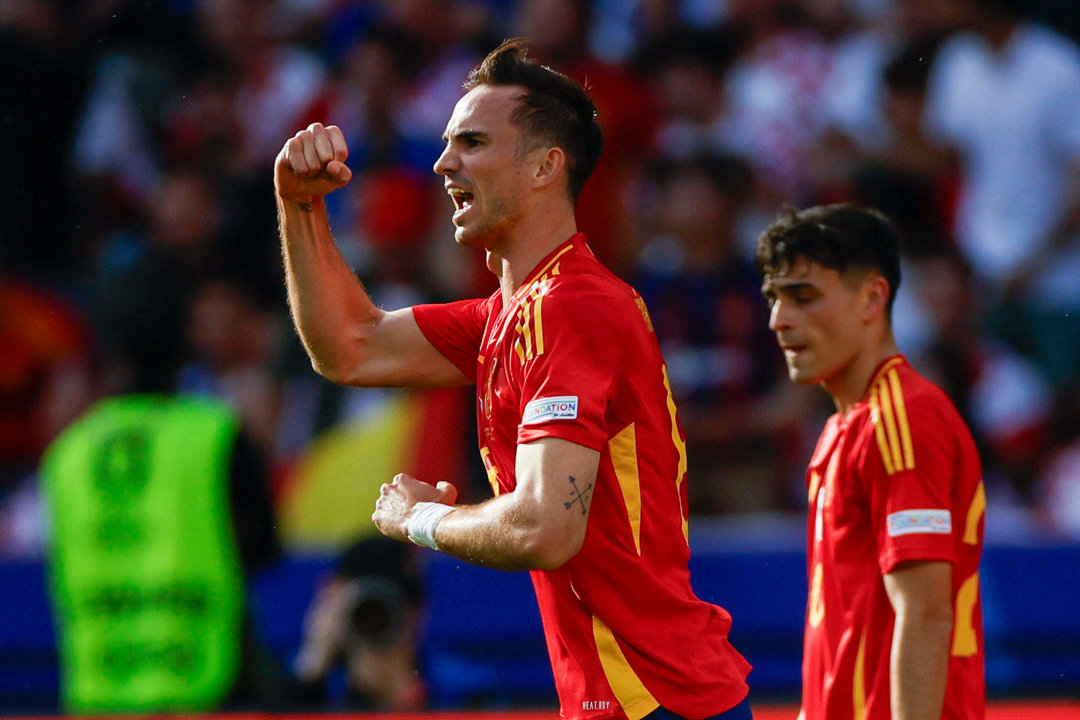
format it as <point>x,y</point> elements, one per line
<point>447,162</point>
<point>779,318</point>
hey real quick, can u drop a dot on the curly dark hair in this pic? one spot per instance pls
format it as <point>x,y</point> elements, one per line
<point>554,111</point>
<point>840,237</point>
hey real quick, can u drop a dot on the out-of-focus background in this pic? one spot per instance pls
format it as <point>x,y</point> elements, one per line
<point>137,139</point>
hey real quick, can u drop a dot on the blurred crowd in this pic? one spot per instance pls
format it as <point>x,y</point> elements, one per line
<point>140,137</point>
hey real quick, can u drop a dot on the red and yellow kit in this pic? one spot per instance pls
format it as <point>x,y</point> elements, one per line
<point>573,356</point>
<point>896,479</point>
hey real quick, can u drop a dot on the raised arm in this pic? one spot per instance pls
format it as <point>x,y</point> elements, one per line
<point>349,339</point>
<point>538,526</point>
<point>920,595</point>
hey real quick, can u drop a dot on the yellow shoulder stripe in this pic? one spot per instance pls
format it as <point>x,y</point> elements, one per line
<point>891,429</point>
<point>529,343</point>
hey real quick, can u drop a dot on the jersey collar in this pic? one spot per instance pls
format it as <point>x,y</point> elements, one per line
<point>883,367</point>
<point>576,243</point>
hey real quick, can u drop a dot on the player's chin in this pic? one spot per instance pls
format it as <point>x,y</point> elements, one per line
<point>463,237</point>
<point>799,374</point>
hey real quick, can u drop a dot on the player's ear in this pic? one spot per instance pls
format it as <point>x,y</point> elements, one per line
<point>874,297</point>
<point>550,166</point>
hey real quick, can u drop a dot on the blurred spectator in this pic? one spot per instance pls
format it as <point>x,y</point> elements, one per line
<point>1006,95</point>
<point>367,84</point>
<point>686,68</point>
<point>46,351</point>
<point>558,32</point>
<point>234,344</point>
<point>366,617</point>
<point>1057,489</point>
<point>276,79</point>
<point>442,34</point>
<point>907,176</point>
<point>705,301</point>
<point>39,100</point>
<point>142,54</point>
<point>775,93</point>
<point>1004,397</point>
<point>157,504</point>
<point>853,88</point>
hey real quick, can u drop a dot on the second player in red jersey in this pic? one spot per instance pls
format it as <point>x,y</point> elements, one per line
<point>895,532</point>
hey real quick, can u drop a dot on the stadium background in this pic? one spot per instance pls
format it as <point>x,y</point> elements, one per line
<point>139,129</point>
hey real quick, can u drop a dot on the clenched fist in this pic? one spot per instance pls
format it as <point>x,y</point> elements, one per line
<point>312,164</point>
<point>396,500</point>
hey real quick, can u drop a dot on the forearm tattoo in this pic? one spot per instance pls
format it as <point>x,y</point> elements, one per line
<point>579,496</point>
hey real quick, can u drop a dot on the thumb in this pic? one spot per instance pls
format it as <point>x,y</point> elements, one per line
<point>339,171</point>
<point>448,491</point>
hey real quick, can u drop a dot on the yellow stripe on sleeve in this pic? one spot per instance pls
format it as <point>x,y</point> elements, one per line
<point>538,324</point>
<point>526,330</point>
<point>517,345</point>
<point>888,414</point>
<point>902,420</point>
<point>879,432</point>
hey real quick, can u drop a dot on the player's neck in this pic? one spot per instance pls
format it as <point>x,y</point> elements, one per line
<point>530,243</point>
<point>849,386</point>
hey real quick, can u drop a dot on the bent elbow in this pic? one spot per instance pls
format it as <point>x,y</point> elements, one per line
<point>329,369</point>
<point>552,552</point>
<point>340,363</point>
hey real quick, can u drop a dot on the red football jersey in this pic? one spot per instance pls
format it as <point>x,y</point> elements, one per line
<point>573,356</point>
<point>896,478</point>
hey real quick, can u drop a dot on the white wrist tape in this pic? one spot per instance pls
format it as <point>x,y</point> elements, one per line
<point>425,516</point>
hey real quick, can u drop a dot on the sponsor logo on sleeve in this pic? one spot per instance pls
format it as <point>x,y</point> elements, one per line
<point>541,410</point>
<point>914,522</point>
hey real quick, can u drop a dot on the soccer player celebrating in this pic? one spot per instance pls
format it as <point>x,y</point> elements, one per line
<point>894,621</point>
<point>577,427</point>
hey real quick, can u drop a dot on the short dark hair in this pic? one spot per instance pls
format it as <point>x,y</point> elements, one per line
<point>840,237</point>
<point>554,110</point>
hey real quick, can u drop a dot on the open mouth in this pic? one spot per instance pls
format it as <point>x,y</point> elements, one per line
<point>462,199</point>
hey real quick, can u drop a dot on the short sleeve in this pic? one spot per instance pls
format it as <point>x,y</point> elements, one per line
<point>456,330</point>
<point>566,388</point>
<point>910,467</point>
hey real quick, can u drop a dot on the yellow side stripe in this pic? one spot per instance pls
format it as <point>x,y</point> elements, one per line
<point>681,447</point>
<point>858,684</point>
<point>965,641</point>
<point>634,698</point>
<point>815,483</point>
<point>623,451</point>
<point>978,507</point>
